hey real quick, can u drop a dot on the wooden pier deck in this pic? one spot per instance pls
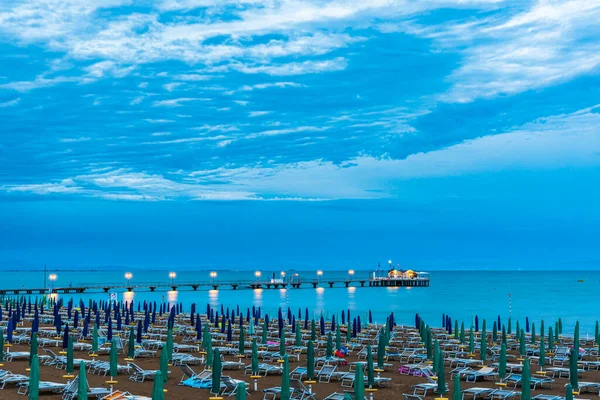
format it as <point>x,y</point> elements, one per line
<point>218,285</point>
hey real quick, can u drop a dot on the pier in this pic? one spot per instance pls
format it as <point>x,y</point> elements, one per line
<point>229,285</point>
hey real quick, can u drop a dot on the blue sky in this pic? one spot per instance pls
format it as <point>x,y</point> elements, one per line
<point>442,133</point>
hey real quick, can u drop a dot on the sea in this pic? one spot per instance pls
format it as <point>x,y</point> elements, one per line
<point>537,295</point>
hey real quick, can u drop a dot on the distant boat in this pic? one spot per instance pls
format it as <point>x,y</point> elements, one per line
<point>579,280</point>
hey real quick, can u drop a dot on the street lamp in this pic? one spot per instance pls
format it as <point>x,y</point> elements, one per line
<point>128,276</point>
<point>390,262</point>
<point>319,274</point>
<point>257,275</point>
<point>52,278</point>
<point>351,273</point>
<point>213,275</point>
<point>172,275</point>
<point>283,275</point>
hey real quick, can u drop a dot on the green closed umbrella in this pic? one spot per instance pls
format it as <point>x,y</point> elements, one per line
<point>82,388</point>
<point>533,336</point>
<point>483,345</point>
<point>495,332</point>
<point>568,392</point>
<point>209,354</point>
<point>282,345</point>
<point>471,341</point>
<point>164,363</point>
<point>573,371</point>
<point>370,372</point>
<point>241,391</point>
<point>313,330</point>
<point>503,334</point>
<point>462,333</point>
<point>131,344</point>
<point>456,329</point>
<point>170,344</point>
<point>380,351</point>
<point>157,389</point>
<point>310,361</point>
<point>329,346</point>
<point>241,341</point>
<point>359,384</point>
<point>441,375</point>
<point>348,332</point>
<point>1,344</point>
<point>542,359</point>
<point>526,381</point>
<point>428,347</point>
<point>576,340</point>
<point>113,359</point>
<point>215,387</point>
<point>34,379</point>
<point>456,391</point>
<point>436,354</point>
<point>255,370</point>
<point>298,334</point>
<point>522,348</point>
<point>509,327</point>
<point>95,340</point>
<point>502,362</point>
<point>70,368</point>
<point>550,339</point>
<point>205,337</point>
<point>265,329</point>
<point>33,347</point>
<point>285,380</point>
<point>542,333</point>
<point>338,337</point>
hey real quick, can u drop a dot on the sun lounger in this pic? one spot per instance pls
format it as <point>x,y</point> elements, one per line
<point>264,369</point>
<point>589,387</point>
<point>16,355</point>
<point>298,373</point>
<point>45,386</point>
<point>188,373</point>
<point>476,391</point>
<point>119,395</point>
<point>503,394</point>
<point>11,378</point>
<point>515,379</point>
<point>483,373</point>
<point>70,391</point>
<point>230,386</point>
<point>139,374</point>
<point>327,372</point>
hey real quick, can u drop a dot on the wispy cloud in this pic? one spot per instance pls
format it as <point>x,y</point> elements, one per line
<point>10,103</point>
<point>178,102</point>
<point>258,113</point>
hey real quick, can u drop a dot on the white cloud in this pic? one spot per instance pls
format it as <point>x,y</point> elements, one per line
<point>172,86</point>
<point>158,121</point>
<point>276,132</point>
<point>253,114</point>
<point>177,102</point>
<point>295,68</point>
<point>242,103</point>
<point>74,140</point>
<point>10,103</point>
<point>261,86</point>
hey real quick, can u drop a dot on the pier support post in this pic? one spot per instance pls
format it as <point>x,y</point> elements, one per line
<point>362,283</point>
<point>215,287</point>
<point>195,287</point>
<point>330,284</point>
<point>106,289</point>
<point>347,283</point>
<point>152,288</point>
<point>234,287</point>
<point>129,288</point>
<point>174,288</point>
<point>315,284</point>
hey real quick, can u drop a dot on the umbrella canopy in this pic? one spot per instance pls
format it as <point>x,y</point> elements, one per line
<point>209,354</point>
<point>338,338</point>
<point>70,367</point>
<point>359,384</point>
<point>113,359</point>
<point>33,347</point>
<point>526,381</point>
<point>310,361</point>
<point>542,359</point>
<point>471,341</point>
<point>522,348</point>
<point>1,340</point>
<point>241,391</point>
<point>34,379</point>
<point>568,392</point>
<point>313,330</point>
<point>441,375</point>
<point>170,343</point>
<point>298,335</point>
<point>574,380</point>
<point>215,387</point>
<point>265,329</point>
<point>255,370</point>
<point>285,380</point>
<point>456,391</point>
<point>95,339</point>
<point>241,341</point>
<point>131,344</point>
<point>483,344</point>
<point>82,388</point>
<point>282,344</point>
<point>329,346</point>
<point>164,363</point>
<point>370,377</point>
<point>380,350</point>
<point>502,362</point>
<point>157,390</point>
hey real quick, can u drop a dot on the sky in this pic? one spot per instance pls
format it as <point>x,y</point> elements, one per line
<point>308,134</point>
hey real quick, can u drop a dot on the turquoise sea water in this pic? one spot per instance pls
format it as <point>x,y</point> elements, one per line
<point>538,295</point>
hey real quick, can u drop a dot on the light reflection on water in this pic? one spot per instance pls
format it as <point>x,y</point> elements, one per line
<point>320,300</point>
<point>257,300</point>
<point>172,296</point>
<point>352,298</point>
<point>213,298</point>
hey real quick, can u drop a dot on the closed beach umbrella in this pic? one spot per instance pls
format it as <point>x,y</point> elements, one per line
<point>70,367</point>
<point>285,380</point>
<point>441,375</point>
<point>34,379</point>
<point>282,344</point>
<point>359,384</point>
<point>206,338</point>
<point>380,350</point>
<point>241,391</point>
<point>255,370</point>
<point>264,332</point>
<point>131,344</point>
<point>241,341</point>
<point>502,363</point>
<point>298,335</point>
<point>462,333</point>
<point>526,381</point>
<point>568,392</point>
<point>157,389</point>
<point>313,330</point>
<point>209,354</point>
<point>551,339</point>
<point>215,387</point>
<point>456,392</point>
<point>65,341</point>
<point>483,345</point>
<point>95,339</point>
<point>573,371</point>
<point>533,336</point>
<point>113,359</point>
<point>471,341</point>
<point>33,347</point>
<point>164,363</point>
<point>542,359</point>
<point>348,332</point>
<point>338,338</point>
<point>329,346</point>
<point>170,343</point>
<point>251,327</point>
<point>1,341</point>
<point>82,388</point>
<point>522,348</point>
<point>310,361</point>
<point>370,376</point>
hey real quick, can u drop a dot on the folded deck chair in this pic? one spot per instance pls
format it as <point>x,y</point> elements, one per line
<point>139,374</point>
<point>476,391</point>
